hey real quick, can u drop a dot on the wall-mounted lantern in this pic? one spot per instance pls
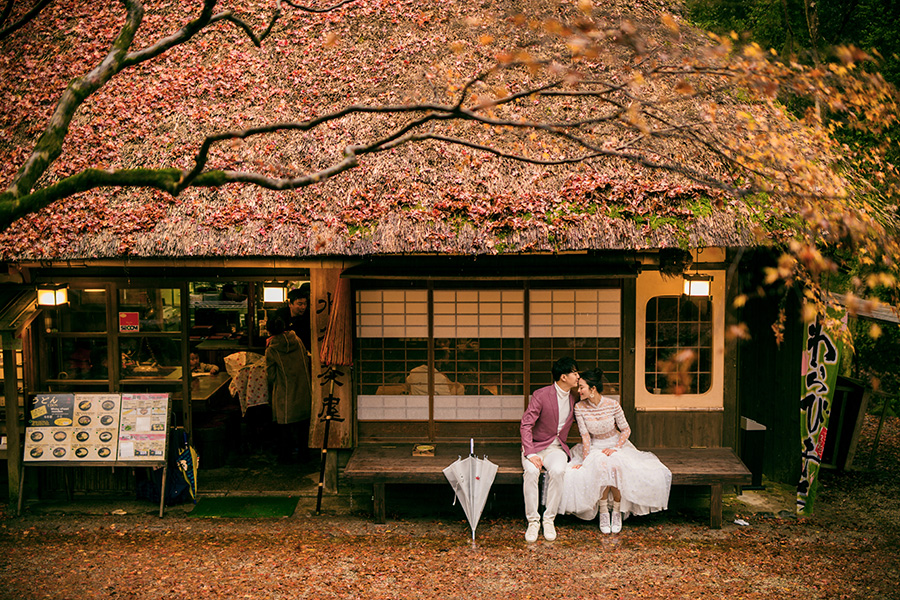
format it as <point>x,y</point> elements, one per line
<point>696,284</point>
<point>52,294</point>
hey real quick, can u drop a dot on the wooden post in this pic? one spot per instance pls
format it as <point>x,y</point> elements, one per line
<point>715,506</point>
<point>327,385</point>
<point>11,399</point>
<point>378,503</point>
<point>884,408</point>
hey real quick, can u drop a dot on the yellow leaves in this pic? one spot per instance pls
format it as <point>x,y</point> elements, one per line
<point>753,51</point>
<point>634,118</point>
<point>881,279</point>
<point>331,39</point>
<point>485,39</point>
<point>738,332</point>
<point>458,47</point>
<point>809,312</point>
<point>875,331</point>
<point>586,6</point>
<point>669,23</point>
<point>784,270</point>
<point>740,301</point>
<point>685,88</point>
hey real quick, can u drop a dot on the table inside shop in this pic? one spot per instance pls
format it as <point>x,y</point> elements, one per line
<point>207,390</point>
<point>214,351</point>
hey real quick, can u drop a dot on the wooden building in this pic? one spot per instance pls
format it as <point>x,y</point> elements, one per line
<point>468,274</point>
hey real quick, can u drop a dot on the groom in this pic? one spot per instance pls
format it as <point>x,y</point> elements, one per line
<point>544,428</point>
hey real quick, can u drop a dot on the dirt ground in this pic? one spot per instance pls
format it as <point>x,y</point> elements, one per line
<point>849,549</point>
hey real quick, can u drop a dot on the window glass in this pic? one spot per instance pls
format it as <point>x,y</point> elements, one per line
<point>218,310</point>
<point>85,312</point>
<point>77,358</point>
<point>144,356</point>
<point>679,345</point>
<point>155,309</point>
<point>386,363</point>
<point>589,353</point>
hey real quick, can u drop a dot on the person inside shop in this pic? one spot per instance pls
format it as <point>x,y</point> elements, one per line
<point>79,363</point>
<point>296,315</point>
<point>202,367</point>
<point>287,372</point>
<point>417,380</point>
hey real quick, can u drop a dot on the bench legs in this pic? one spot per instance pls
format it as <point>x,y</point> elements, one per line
<point>715,506</point>
<point>378,502</point>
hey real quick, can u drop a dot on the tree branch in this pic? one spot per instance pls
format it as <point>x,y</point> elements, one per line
<point>26,18</point>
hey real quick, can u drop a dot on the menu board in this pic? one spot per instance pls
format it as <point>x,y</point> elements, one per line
<point>142,427</point>
<point>96,427</point>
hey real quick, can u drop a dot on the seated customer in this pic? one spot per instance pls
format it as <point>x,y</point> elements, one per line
<point>201,367</point>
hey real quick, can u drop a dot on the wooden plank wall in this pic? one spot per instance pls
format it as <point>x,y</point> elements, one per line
<point>98,481</point>
<point>677,429</point>
<point>769,385</point>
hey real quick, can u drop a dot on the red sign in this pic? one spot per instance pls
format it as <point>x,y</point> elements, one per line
<point>129,321</point>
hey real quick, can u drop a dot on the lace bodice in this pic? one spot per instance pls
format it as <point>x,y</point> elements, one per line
<point>601,422</point>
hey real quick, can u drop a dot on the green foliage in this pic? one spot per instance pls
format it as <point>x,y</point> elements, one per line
<point>876,360</point>
<point>867,24</point>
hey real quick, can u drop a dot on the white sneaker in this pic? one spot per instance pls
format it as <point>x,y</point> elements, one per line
<point>616,522</point>
<point>549,531</point>
<point>531,534</point>
<point>604,522</point>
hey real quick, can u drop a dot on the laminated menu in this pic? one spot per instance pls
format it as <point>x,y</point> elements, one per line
<point>96,427</point>
<point>95,424</point>
<point>49,435</point>
<point>142,426</point>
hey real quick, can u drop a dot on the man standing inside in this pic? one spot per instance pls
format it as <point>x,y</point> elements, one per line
<point>544,428</point>
<point>296,315</point>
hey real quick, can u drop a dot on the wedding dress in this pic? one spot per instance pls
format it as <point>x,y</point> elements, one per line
<point>641,478</point>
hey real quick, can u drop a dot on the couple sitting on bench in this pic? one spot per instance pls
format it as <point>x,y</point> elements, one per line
<point>604,466</point>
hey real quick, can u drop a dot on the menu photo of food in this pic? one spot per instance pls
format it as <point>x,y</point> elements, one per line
<point>94,444</point>
<point>96,419</point>
<point>48,443</point>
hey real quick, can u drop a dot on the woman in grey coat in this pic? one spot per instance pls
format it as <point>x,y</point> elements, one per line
<point>287,371</point>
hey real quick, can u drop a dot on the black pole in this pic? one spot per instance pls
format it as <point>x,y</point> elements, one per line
<point>322,467</point>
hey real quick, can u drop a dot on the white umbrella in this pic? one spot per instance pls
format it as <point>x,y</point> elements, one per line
<point>471,479</point>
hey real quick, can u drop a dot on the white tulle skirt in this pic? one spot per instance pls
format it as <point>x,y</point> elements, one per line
<point>642,479</point>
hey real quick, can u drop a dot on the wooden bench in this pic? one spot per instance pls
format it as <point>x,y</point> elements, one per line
<point>382,463</point>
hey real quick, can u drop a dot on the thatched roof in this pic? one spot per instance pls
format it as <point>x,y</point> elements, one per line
<point>422,198</point>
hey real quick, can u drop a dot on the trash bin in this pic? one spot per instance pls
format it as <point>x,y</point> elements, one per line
<point>753,444</point>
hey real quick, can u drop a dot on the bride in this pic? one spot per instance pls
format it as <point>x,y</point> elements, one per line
<point>606,465</point>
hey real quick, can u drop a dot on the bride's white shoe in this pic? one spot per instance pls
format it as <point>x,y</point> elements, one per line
<point>604,521</point>
<point>616,525</point>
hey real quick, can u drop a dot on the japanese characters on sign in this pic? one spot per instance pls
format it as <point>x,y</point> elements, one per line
<point>820,370</point>
<point>96,427</point>
<point>142,428</point>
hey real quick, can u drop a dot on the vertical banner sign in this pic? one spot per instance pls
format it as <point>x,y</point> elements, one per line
<point>821,362</point>
<point>332,396</point>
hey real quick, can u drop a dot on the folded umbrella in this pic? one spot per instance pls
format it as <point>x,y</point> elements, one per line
<point>471,478</point>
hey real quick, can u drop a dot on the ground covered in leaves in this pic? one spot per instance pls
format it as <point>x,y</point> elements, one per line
<point>847,550</point>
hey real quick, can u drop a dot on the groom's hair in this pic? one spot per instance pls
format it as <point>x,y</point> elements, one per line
<point>563,366</point>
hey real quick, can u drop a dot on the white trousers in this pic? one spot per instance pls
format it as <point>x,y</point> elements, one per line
<point>555,460</point>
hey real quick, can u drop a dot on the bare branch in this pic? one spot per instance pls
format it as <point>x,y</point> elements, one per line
<point>310,9</point>
<point>26,18</point>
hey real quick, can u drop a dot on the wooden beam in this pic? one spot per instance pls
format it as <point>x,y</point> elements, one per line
<point>11,399</point>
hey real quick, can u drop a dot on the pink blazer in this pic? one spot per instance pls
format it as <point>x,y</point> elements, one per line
<point>541,418</point>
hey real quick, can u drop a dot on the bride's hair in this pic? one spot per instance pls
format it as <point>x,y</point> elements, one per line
<point>593,378</point>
